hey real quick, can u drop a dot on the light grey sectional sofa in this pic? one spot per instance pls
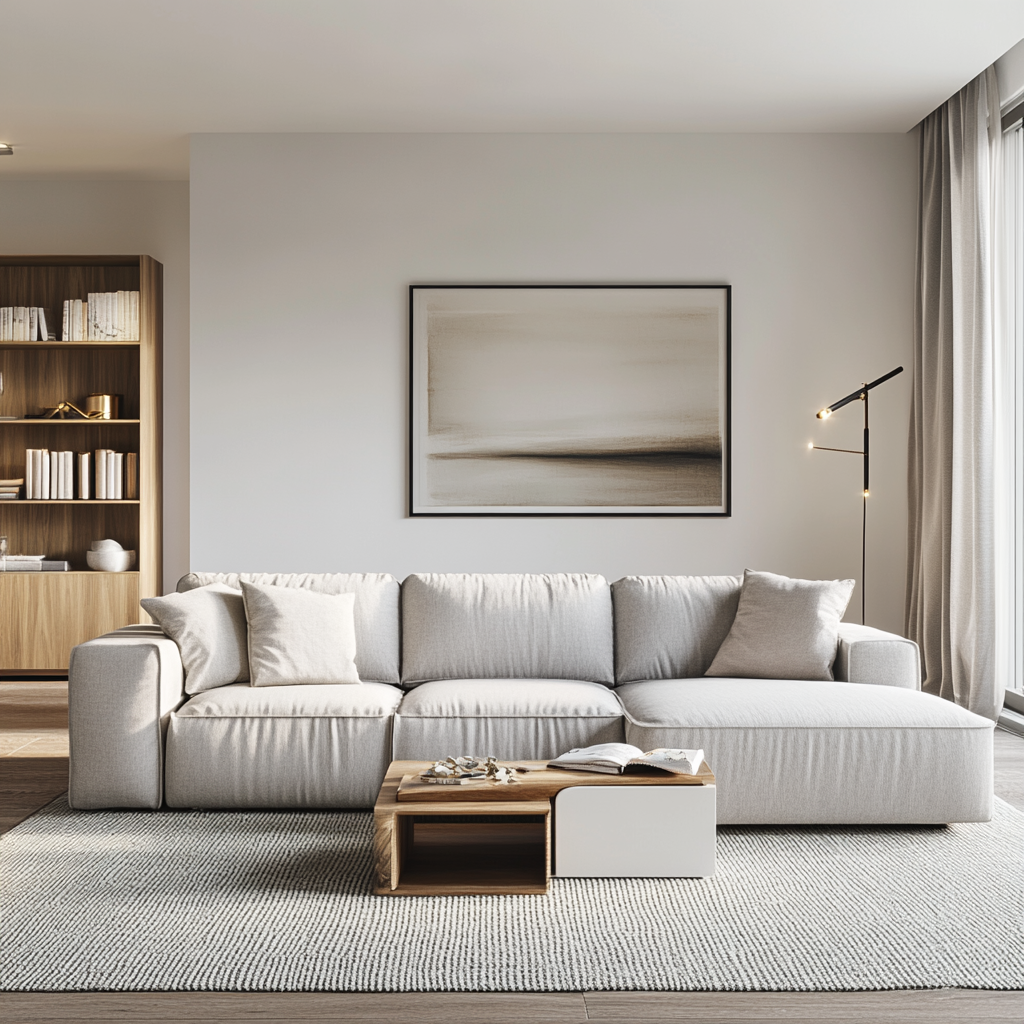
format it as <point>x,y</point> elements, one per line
<point>526,667</point>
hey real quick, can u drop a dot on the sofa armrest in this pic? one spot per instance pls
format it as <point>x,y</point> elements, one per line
<point>122,688</point>
<point>869,655</point>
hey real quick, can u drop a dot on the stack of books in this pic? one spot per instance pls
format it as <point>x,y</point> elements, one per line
<point>63,476</point>
<point>32,563</point>
<point>10,489</point>
<point>117,475</point>
<point>23,323</point>
<point>104,316</point>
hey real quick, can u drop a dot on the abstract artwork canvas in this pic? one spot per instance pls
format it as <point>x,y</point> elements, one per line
<point>576,400</point>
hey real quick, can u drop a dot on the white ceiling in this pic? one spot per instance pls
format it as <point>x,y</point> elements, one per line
<point>114,87</point>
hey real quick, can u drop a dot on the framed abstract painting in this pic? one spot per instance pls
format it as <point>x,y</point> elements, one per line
<point>555,400</point>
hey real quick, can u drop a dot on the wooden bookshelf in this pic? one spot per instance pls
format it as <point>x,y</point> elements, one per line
<point>44,615</point>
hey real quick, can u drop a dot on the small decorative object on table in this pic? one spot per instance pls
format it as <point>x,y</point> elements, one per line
<point>456,771</point>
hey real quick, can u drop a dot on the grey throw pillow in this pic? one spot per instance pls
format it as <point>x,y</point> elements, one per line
<point>297,636</point>
<point>208,625</point>
<point>784,628</point>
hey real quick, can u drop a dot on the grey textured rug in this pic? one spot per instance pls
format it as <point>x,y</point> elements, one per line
<point>280,901</point>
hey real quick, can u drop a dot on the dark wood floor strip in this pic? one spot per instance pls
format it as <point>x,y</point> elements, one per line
<point>898,1006</point>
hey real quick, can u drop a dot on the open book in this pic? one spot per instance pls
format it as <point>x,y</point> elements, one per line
<point>615,758</point>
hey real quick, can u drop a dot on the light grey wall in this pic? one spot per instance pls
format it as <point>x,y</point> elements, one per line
<point>1010,73</point>
<point>302,249</point>
<point>123,217</point>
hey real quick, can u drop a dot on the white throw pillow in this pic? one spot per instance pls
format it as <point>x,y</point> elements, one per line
<point>297,636</point>
<point>784,628</point>
<point>208,625</point>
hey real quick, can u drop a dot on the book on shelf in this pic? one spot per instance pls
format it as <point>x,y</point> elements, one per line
<point>84,475</point>
<point>10,490</point>
<point>23,323</point>
<point>617,758</point>
<point>102,316</point>
<point>32,563</point>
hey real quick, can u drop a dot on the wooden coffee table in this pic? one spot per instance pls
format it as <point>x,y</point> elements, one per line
<point>485,838</point>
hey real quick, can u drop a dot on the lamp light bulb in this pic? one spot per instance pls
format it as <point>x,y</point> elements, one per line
<point>810,445</point>
<point>824,414</point>
<point>867,494</point>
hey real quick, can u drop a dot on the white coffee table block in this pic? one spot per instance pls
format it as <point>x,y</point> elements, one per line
<point>634,832</point>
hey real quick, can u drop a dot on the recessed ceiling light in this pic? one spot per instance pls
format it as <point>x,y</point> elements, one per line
<point>6,149</point>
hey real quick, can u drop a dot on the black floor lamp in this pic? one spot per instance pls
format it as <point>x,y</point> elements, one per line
<point>823,414</point>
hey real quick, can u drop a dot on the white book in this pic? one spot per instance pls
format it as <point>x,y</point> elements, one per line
<point>615,758</point>
<point>30,465</point>
<point>37,473</point>
<point>20,329</point>
<point>84,476</point>
<point>65,323</point>
<point>122,315</point>
<point>57,475</point>
<point>119,475</point>
<point>101,474</point>
<point>33,323</point>
<point>133,317</point>
<point>4,320</point>
<point>69,475</point>
<point>111,475</point>
<point>41,316</point>
<point>44,473</point>
<point>93,310</point>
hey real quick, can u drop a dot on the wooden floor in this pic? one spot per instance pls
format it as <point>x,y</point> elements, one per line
<point>33,770</point>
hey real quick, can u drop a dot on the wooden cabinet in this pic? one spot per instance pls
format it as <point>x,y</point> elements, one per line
<point>43,615</point>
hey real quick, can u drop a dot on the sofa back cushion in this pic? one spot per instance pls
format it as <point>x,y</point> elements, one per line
<point>670,627</point>
<point>496,626</point>
<point>376,609</point>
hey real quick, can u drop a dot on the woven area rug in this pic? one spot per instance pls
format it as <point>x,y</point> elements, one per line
<point>281,902</point>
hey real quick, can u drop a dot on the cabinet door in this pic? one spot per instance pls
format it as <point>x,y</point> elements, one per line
<point>43,615</point>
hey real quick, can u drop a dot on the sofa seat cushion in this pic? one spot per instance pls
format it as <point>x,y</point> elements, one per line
<point>513,719</point>
<point>312,746</point>
<point>788,752</point>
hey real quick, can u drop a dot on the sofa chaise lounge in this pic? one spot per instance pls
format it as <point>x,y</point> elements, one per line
<point>526,667</point>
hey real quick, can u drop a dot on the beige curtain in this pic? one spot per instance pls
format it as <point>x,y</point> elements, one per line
<point>951,570</point>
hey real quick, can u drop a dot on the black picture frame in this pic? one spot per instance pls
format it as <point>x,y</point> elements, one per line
<point>597,363</point>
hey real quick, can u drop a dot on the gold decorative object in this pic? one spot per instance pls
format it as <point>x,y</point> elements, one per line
<point>62,409</point>
<point>103,407</point>
<point>455,771</point>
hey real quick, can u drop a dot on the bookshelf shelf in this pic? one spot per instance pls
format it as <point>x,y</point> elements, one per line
<point>77,572</point>
<point>71,423</point>
<point>44,615</point>
<point>29,345</point>
<point>69,502</point>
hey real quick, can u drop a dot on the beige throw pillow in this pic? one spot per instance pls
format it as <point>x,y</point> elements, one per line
<point>208,625</point>
<point>784,628</point>
<point>297,636</point>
